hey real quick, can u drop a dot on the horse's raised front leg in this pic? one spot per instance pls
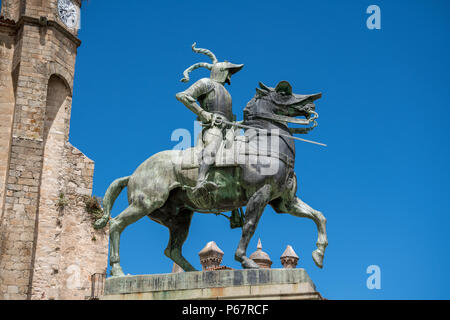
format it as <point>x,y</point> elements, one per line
<point>255,208</point>
<point>298,208</point>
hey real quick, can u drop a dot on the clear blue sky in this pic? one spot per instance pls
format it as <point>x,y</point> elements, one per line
<point>383,180</point>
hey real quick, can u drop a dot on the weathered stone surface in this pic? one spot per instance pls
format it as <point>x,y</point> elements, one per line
<point>46,252</point>
<point>223,284</point>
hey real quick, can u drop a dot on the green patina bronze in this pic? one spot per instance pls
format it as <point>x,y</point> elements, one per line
<point>225,171</point>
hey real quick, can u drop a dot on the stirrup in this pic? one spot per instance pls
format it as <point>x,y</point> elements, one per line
<point>201,195</point>
<point>204,187</point>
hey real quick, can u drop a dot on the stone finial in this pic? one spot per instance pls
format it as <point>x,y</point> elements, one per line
<point>261,258</point>
<point>210,256</point>
<point>289,258</point>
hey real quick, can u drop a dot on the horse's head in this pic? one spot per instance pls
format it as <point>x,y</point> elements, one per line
<point>281,101</point>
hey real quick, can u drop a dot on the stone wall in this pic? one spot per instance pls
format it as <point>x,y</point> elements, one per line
<point>48,248</point>
<point>11,9</point>
<point>46,251</point>
<point>69,250</point>
<point>66,251</point>
<point>83,249</point>
<point>7,102</point>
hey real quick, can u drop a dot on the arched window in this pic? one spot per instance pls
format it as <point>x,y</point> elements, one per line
<point>57,94</point>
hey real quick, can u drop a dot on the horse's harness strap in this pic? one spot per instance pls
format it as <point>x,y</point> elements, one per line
<point>277,118</point>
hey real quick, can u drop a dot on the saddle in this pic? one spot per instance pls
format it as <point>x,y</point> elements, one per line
<point>235,150</point>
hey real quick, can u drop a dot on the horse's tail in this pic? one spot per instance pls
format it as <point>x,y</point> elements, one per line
<point>108,201</point>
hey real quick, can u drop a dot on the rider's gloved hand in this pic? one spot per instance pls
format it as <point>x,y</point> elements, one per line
<point>206,116</point>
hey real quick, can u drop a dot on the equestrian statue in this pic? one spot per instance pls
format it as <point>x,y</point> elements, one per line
<point>225,171</point>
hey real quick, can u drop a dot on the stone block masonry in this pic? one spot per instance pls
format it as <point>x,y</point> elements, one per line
<point>48,247</point>
<point>251,284</point>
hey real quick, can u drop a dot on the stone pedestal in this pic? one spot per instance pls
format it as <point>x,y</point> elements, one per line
<point>252,284</point>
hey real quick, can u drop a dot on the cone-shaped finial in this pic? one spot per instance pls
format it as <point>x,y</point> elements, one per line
<point>289,258</point>
<point>261,258</point>
<point>259,245</point>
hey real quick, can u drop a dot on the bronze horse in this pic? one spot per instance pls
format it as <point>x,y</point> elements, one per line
<point>159,188</point>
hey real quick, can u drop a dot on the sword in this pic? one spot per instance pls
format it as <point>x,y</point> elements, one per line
<point>220,120</point>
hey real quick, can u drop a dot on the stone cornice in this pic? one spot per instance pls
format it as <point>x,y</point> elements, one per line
<point>27,20</point>
<point>7,24</point>
<point>4,20</point>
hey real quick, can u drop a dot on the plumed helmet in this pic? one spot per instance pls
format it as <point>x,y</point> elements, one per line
<point>220,71</point>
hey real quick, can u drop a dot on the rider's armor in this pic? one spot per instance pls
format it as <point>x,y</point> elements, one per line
<point>215,100</point>
<point>212,96</point>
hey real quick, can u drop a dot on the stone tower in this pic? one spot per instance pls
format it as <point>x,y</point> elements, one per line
<point>261,258</point>
<point>289,258</point>
<point>210,256</point>
<point>48,248</point>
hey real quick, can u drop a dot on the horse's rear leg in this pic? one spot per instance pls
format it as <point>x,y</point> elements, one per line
<point>116,226</point>
<point>298,208</point>
<point>179,229</point>
<point>253,212</point>
<point>130,215</point>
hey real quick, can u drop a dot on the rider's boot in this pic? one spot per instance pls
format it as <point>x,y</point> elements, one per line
<point>203,186</point>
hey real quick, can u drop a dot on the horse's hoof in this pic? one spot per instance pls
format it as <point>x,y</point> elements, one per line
<point>249,264</point>
<point>318,258</point>
<point>116,271</point>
